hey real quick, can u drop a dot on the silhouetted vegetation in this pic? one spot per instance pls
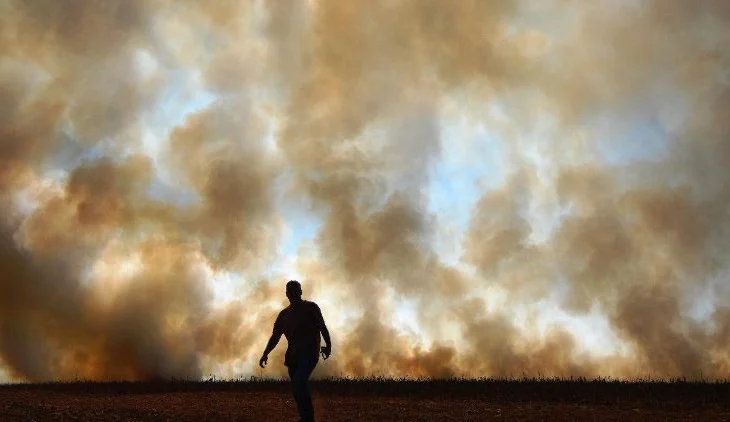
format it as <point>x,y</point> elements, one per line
<point>371,399</point>
<point>600,389</point>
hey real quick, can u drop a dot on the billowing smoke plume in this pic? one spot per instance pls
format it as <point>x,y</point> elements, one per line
<point>152,150</point>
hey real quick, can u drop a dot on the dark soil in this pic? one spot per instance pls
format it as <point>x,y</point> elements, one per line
<point>348,400</point>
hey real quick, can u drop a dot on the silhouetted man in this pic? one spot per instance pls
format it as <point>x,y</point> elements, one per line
<point>301,323</point>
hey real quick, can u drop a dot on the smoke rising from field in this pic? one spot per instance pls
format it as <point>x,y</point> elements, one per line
<point>121,217</point>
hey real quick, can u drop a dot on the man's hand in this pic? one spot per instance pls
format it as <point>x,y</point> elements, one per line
<point>325,351</point>
<point>263,361</point>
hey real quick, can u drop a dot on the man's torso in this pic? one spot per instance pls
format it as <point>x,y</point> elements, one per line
<point>300,325</point>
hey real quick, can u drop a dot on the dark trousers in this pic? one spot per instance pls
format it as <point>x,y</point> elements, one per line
<point>299,374</point>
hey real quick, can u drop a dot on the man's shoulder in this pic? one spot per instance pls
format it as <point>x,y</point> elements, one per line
<point>311,304</point>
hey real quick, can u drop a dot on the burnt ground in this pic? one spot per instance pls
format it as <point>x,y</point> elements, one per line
<point>365,400</point>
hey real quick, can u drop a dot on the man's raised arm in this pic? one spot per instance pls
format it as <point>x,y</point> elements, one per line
<point>273,341</point>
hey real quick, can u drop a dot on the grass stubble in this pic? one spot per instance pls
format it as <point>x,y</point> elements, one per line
<point>374,398</point>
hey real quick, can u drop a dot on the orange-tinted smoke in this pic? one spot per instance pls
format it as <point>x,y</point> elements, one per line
<point>104,280</point>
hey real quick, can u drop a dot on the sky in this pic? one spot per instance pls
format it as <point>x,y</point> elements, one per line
<point>475,188</point>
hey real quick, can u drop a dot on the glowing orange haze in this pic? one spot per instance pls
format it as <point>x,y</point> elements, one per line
<point>102,279</point>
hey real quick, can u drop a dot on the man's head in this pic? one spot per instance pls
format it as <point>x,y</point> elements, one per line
<point>293,291</point>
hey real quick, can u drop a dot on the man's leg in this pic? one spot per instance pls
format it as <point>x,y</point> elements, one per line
<point>299,375</point>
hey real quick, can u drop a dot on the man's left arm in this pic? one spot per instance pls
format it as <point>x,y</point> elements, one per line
<point>327,349</point>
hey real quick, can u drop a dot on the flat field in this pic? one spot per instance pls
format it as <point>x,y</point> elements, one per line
<point>369,400</point>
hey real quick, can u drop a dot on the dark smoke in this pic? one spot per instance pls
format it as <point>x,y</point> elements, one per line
<point>111,249</point>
